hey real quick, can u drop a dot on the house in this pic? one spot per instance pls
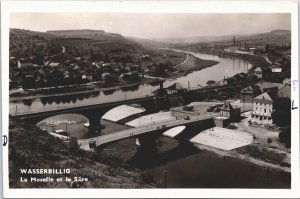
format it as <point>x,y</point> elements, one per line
<point>268,86</point>
<point>284,91</point>
<point>286,81</point>
<point>175,88</point>
<point>262,108</point>
<point>106,65</point>
<point>223,82</point>
<point>247,95</point>
<point>231,80</point>
<point>135,67</point>
<point>275,69</point>
<point>229,111</point>
<point>54,64</point>
<point>258,73</point>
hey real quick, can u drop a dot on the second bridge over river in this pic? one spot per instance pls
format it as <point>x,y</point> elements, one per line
<point>149,133</point>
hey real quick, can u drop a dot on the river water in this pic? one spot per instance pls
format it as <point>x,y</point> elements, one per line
<point>182,166</point>
<point>226,67</point>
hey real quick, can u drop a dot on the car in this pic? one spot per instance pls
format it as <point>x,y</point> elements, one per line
<point>188,108</point>
<point>187,118</point>
<point>210,108</point>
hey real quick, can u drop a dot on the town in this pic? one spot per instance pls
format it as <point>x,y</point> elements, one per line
<point>112,100</point>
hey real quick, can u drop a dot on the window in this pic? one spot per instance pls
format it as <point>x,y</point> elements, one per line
<point>265,110</point>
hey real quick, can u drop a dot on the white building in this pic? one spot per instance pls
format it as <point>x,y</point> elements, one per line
<point>258,72</point>
<point>262,108</point>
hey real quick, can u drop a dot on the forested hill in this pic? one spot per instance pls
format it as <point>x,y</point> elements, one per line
<point>93,43</point>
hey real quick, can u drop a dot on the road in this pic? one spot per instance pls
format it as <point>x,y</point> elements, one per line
<point>112,137</point>
<point>187,57</point>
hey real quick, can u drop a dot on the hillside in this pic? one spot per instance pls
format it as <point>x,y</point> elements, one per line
<point>273,37</point>
<point>32,148</point>
<point>99,35</point>
<point>26,44</point>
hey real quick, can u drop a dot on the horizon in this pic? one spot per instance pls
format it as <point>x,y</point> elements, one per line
<point>47,31</point>
<point>152,26</point>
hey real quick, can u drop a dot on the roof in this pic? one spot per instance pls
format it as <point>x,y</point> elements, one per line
<point>227,106</point>
<point>258,69</point>
<point>175,86</point>
<point>264,96</point>
<point>54,64</point>
<point>265,85</point>
<point>284,91</point>
<point>248,89</point>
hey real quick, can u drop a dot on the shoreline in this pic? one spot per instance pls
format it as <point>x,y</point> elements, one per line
<point>183,69</point>
<point>235,154</point>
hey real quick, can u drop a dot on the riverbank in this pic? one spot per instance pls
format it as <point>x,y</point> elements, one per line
<point>244,154</point>
<point>81,89</point>
<point>31,148</point>
<point>185,67</point>
<point>254,60</point>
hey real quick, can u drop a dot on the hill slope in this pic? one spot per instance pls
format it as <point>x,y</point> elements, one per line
<point>25,43</point>
<point>32,148</point>
<point>273,37</point>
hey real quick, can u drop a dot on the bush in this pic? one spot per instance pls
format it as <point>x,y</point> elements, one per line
<point>269,140</point>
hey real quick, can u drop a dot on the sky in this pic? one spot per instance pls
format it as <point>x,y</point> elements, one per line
<point>155,25</point>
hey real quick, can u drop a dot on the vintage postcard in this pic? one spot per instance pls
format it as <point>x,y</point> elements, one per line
<point>150,99</point>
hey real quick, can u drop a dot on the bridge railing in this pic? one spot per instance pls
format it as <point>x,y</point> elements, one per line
<point>145,129</point>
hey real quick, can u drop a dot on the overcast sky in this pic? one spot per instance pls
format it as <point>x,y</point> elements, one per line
<point>154,25</point>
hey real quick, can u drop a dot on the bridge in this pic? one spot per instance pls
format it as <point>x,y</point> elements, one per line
<point>92,112</point>
<point>149,133</point>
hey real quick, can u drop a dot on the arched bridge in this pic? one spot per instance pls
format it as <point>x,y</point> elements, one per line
<point>93,112</point>
<point>148,134</point>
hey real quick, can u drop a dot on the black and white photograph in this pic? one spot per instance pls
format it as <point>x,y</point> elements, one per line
<point>150,100</point>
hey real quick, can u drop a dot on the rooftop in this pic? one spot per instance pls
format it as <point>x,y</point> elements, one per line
<point>264,96</point>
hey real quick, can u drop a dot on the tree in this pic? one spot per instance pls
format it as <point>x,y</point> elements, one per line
<point>285,137</point>
<point>282,111</point>
<point>210,82</point>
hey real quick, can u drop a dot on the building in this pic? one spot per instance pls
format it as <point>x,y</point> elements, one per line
<point>229,111</point>
<point>268,86</point>
<point>247,95</point>
<point>287,81</point>
<point>284,91</point>
<point>175,88</point>
<point>262,108</point>
<point>258,72</point>
<point>275,69</point>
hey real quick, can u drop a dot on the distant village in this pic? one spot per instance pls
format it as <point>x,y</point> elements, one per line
<point>61,71</point>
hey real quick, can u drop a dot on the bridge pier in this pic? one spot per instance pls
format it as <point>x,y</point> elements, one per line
<point>148,141</point>
<point>94,120</point>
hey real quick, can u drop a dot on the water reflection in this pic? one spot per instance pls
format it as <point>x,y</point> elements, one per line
<point>156,82</point>
<point>136,91</point>
<point>134,87</point>
<point>109,92</point>
<point>67,98</point>
<point>27,102</point>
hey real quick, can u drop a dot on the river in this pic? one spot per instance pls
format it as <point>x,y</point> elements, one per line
<point>226,67</point>
<point>174,164</point>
